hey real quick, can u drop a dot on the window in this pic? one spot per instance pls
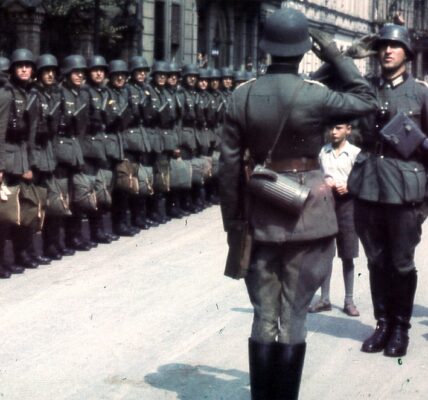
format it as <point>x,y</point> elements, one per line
<point>159,45</point>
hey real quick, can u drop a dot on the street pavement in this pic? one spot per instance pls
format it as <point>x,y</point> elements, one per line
<point>153,318</point>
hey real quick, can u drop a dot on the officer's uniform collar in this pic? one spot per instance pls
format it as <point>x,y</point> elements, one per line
<point>394,82</point>
<point>282,69</point>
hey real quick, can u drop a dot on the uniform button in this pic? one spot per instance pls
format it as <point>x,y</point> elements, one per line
<point>92,138</point>
<point>61,141</point>
<point>410,112</point>
<point>416,170</point>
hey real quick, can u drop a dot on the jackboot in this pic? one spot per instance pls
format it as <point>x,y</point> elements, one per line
<point>119,218</point>
<point>261,360</point>
<point>186,201</point>
<point>96,229</point>
<point>287,370</point>
<point>22,239</point>
<point>173,205</point>
<point>404,289</point>
<point>137,208</point>
<point>51,237</point>
<point>379,288</point>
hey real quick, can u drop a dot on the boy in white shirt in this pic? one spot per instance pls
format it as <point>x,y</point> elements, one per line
<point>337,159</point>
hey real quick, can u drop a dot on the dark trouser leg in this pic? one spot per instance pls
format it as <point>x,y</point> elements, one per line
<point>137,206</point>
<point>73,232</point>
<point>51,237</point>
<point>120,205</point>
<point>22,241</point>
<point>4,272</point>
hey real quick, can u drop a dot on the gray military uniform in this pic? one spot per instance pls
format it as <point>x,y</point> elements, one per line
<point>283,278</point>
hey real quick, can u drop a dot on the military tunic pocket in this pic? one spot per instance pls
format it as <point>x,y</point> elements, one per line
<point>94,147</point>
<point>414,182</point>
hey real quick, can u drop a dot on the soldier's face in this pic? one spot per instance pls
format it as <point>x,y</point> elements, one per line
<point>139,75</point>
<point>24,71</point>
<point>118,80</point>
<point>97,75</point>
<point>339,133</point>
<point>215,84</point>
<point>172,80</point>
<point>48,76</point>
<point>191,80</point>
<point>227,82</point>
<point>77,77</point>
<point>392,56</point>
<point>160,79</point>
<point>202,84</point>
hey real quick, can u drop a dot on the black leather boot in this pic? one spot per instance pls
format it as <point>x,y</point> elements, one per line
<point>96,229</point>
<point>288,366</point>
<point>379,287</point>
<point>4,273</point>
<point>404,289</point>
<point>137,208</point>
<point>261,359</point>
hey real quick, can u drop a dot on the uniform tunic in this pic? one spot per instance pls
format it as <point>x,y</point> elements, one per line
<point>282,279</point>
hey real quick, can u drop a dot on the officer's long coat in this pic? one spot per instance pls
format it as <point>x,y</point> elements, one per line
<point>252,122</point>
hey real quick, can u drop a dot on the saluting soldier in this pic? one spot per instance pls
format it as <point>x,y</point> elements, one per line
<point>390,191</point>
<point>138,147</point>
<point>72,127</point>
<point>280,119</point>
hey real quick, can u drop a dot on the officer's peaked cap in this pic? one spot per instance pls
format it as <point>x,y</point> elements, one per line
<point>286,34</point>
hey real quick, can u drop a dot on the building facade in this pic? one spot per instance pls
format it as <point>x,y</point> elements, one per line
<point>225,32</point>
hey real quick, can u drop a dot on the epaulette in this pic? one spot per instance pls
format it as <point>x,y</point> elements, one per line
<point>244,83</point>
<point>310,81</point>
<point>421,82</point>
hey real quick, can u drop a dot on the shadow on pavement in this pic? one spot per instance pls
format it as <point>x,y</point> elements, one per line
<point>346,327</point>
<point>420,311</point>
<point>201,382</point>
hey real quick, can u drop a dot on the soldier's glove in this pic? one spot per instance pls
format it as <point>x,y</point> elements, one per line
<point>363,47</point>
<point>323,45</point>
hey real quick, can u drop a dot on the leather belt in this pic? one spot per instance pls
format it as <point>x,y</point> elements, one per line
<point>294,164</point>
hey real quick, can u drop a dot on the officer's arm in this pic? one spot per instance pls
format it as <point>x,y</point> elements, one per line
<point>231,170</point>
<point>356,99</point>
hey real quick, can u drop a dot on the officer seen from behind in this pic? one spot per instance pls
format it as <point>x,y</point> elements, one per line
<point>291,252</point>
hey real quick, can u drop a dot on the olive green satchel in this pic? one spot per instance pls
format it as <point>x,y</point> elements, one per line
<point>9,205</point>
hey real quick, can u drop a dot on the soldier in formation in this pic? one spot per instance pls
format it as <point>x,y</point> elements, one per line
<point>66,132</point>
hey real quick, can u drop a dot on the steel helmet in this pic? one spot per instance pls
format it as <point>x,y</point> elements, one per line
<point>190,69</point>
<point>46,61</point>
<point>226,72</point>
<point>395,33</point>
<point>72,63</point>
<point>215,74</point>
<point>240,76</point>
<point>118,66</point>
<point>21,55</point>
<point>138,62</point>
<point>174,69</point>
<point>160,66</point>
<point>97,62</point>
<point>204,73</point>
<point>4,64</point>
<point>286,34</point>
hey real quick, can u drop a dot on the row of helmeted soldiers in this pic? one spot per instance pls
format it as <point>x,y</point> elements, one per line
<point>103,141</point>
